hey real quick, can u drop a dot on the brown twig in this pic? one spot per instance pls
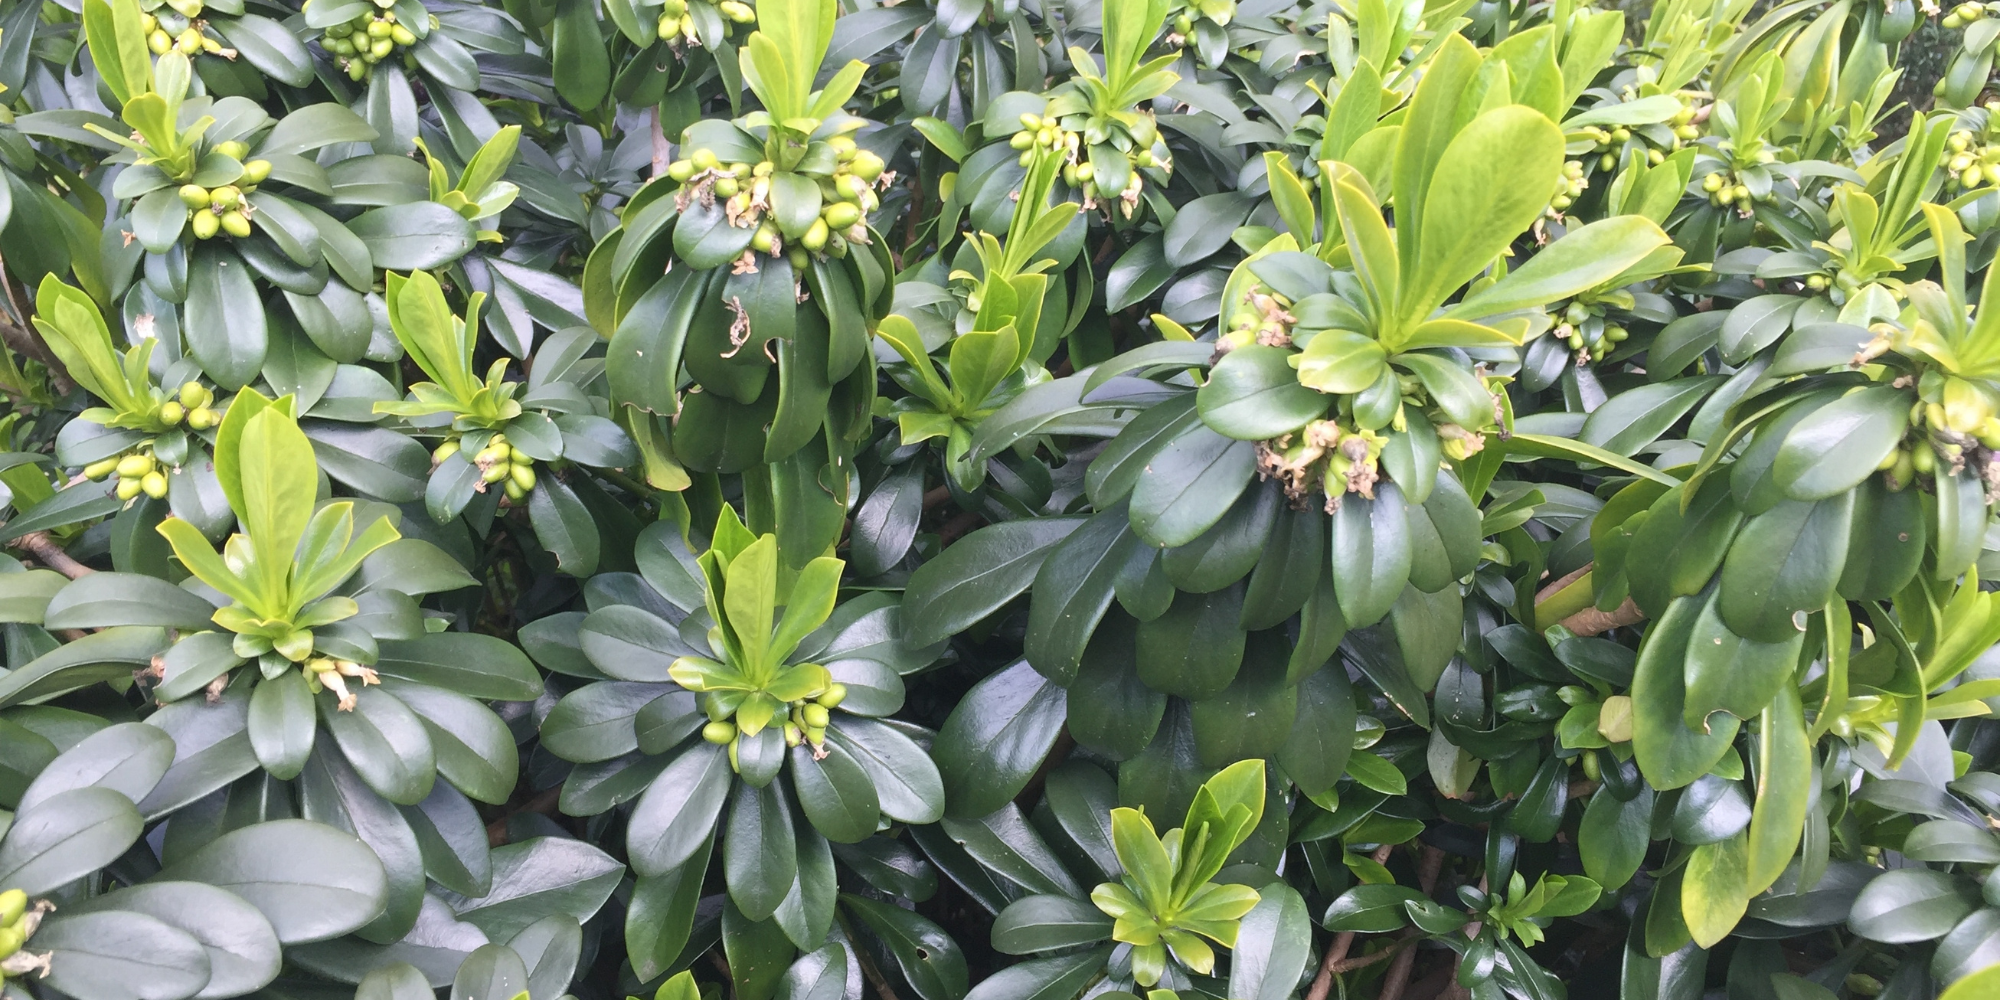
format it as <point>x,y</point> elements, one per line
<point>1553,587</point>
<point>964,522</point>
<point>935,496</point>
<point>1591,621</point>
<point>868,967</point>
<point>24,340</point>
<point>1361,962</point>
<point>543,802</point>
<point>1332,963</point>
<point>662,150</point>
<point>44,548</point>
<point>1398,979</point>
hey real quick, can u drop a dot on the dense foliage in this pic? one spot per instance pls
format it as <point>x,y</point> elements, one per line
<point>997,501</point>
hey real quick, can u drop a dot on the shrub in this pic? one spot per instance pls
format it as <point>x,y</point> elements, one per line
<point>998,501</point>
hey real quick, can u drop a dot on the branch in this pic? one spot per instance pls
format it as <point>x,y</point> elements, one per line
<point>1337,951</point>
<point>1588,620</point>
<point>544,802</point>
<point>44,548</point>
<point>1591,621</point>
<point>1398,979</point>
<point>23,339</point>
<point>662,150</point>
<point>867,964</point>
<point>964,522</point>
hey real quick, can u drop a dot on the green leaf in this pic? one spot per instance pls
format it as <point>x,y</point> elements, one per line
<point>1371,554</point>
<point>491,972</point>
<point>759,855</point>
<point>1784,561</point>
<point>1907,905</point>
<point>927,957</point>
<point>976,576</point>
<point>538,877</point>
<point>1045,923</point>
<point>674,818</point>
<point>311,881</point>
<point>420,236</point>
<point>1637,417</point>
<point>1253,394</point>
<point>224,318</point>
<point>243,952</point>
<point>835,793</point>
<point>1712,890</point>
<point>1614,836</point>
<point>996,739</point>
<point>1669,753</point>
<point>1837,446</point>
<point>1188,485</point>
<point>282,724</point>
<point>119,953</point>
<point>1370,909</point>
<point>66,836</point>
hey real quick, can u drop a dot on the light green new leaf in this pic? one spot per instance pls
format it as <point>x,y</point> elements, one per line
<point>751,596</point>
<point>74,330</point>
<point>1584,259</point>
<point>1493,182</point>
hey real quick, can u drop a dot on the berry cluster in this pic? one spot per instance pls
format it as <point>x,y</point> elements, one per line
<point>846,196</point>
<point>1942,438</point>
<point>1727,190</point>
<point>1569,189</point>
<point>174,31</point>
<point>139,470</point>
<point>1973,163</point>
<point>1069,134</point>
<point>498,462</point>
<point>675,21</point>
<point>805,720</point>
<point>1963,15</point>
<point>222,209</point>
<point>357,45</point>
<point>17,924</point>
<point>1217,12</point>
<point>1586,327</point>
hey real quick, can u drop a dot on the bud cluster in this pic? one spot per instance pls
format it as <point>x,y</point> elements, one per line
<point>331,673</point>
<point>1323,456</point>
